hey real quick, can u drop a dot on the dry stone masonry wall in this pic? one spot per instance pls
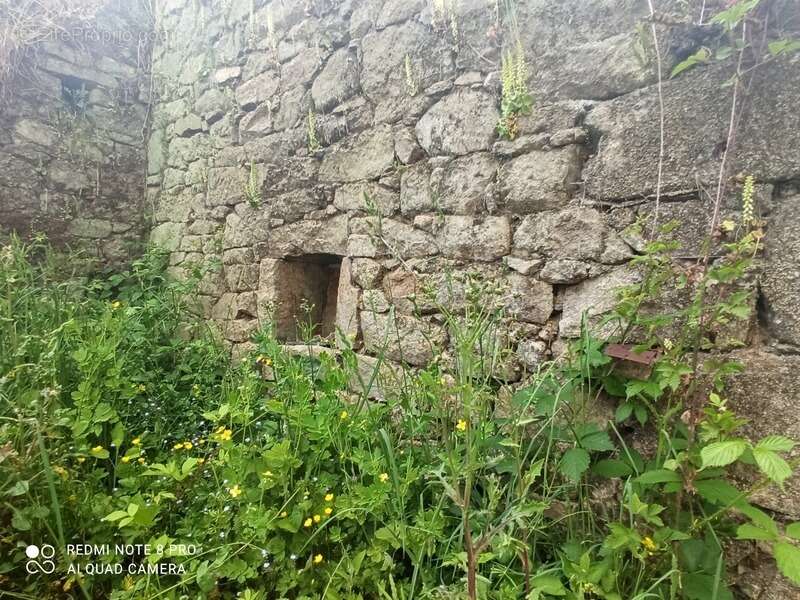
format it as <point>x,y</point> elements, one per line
<point>405,177</point>
<point>73,132</point>
<point>346,153</point>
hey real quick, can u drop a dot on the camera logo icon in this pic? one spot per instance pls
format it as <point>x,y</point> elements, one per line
<point>40,559</point>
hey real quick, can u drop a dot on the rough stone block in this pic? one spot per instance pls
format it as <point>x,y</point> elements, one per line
<point>466,238</point>
<point>466,185</point>
<point>572,234</point>
<point>366,197</point>
<point>528,299</point>
<point>363,156</point>
<point>696,122</point>
<point>337,82</point>
<point>540,180</point>
<point>460,123</point>
<point>310,237</point>
<point>257,90</point>
<point>402,338</point>
<point>780,284</point>
<point>595,297</point>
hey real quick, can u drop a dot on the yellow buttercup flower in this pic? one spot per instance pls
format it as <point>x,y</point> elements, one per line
<point>461,425</point>
<point>178,446</point>
<point>126,459</point>
<point>317,518</point>
<point>328,510</point>
<point>318,559</point>
<point>648,543</point>
<point>116,304</point>
<point>188,445</point>
<point>343,415</point>
<point>140,461</point>
<point>284,514</point>
<point>328,497</point>
<point>136,441</point>
<point>81,459</point>
<point>267,474</point>
<point>201,460</point>
<point>224,435</point>
<point>97,449</point>
<point>308,522</point>
<point>384,477</point>
<point>235,491</point>
<point>61,471</point>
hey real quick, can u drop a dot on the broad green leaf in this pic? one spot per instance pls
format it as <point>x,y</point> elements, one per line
<point>574,463</point>
<point>99,452</point>
<point>20,522</point>
<point>658,476</point>
<point>793,530</point>
<point>18,489</point>
<point>611,468</point>
<point>787,556</point>
<point>188,465</point>
<point>548,584</point>
<point>732,16</point>
<point>759,518</point>
<point>597,441</point>
<point>118,434</point>
<point>772,465</point>
<point>718,491</point>
<point>115,516</point>
<point>776,443</point>
<point>720,454</point>
<point>748,531</point>
<point>624,411</point>
<point>699,57</point>
<point>640,412</point>
<point>783,46</point>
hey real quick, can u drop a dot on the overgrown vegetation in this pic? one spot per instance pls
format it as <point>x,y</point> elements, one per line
<point>25,24</point>
<point>312,141</point>
<point>123,420</point>
<point>516,100</point>
<point>252,188</point>
<point>282,479</point>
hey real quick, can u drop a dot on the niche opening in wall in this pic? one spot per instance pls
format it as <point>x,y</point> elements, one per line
<point>307,293</point>
<point>75,94</point>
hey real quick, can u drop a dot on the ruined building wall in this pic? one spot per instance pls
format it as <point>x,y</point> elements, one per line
<point>402,97</point>
<point>72,134</point>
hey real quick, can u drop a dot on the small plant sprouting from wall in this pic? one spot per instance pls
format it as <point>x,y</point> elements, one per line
<point>252,189</point>
<point>516,99</point>
<point>311,132</point>
<point>271,33</point>
<point>748,213</point>
<point>412,84</point>
<point>444,16</point>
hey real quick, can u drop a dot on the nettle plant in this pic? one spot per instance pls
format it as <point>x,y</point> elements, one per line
<point>679,501</point>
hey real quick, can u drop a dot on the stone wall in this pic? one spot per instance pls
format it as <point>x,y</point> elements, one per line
<point>410,179</point>
<point>344,153</point>
<point>404,184</point>
<point>72,135</point>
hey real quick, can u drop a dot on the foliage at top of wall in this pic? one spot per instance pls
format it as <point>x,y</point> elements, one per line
<point>26,24</point>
